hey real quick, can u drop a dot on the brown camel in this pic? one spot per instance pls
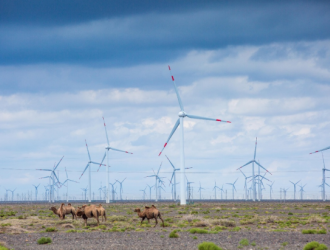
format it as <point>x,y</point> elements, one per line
<point>60,211</point>
<point>101,212</point>
<point>149,213</point>
<point>63,210</point>
<point>88,212</point>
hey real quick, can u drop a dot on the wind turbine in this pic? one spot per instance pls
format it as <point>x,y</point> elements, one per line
<point>215,190</point>
<point>36,187</point>
<point>294,189</point>
<point>302,191</point>
<point>200,191</point>
<point>182,114</point>
<point>174,176</point>
<point>284,193</point>
<point>113,190</point>
<point>52,175</point>
<point>12,194</point>
<point>144,193</point>
<point>121,188</point>
<point>106,154</point>
<point>233,185</point>
<point>85,190</point>
<point>245,185</point>
<point>67,185</point>
<point>253,175</point>
<point>157,177</point>
<point>150,187</point>
<point>188,187</point>
<point>89,173</point>
<point>270,190</point>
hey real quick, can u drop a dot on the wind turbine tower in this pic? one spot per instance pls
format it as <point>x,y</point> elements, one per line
<point>182,114</point>
<point>294,189</point>
<point>121,188</point>
<point>233,187</point>
<point>36,188</point>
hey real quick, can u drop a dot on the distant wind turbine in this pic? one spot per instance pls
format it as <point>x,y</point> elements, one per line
<point>294,189</point>
<point>233,185</point>
<point>36,189</point>
<point>182,114</point>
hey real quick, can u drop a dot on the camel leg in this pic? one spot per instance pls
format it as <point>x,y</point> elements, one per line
<point>161,220</point>
<point>72,215</point>
<point>156,221</point>
<point>85,222</point>
<point>142,220</point>
<point>98,222</point>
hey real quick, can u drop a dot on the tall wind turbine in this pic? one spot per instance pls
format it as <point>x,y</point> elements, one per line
<point>294,189</point>
<point>89,173</point>
<point>245,185</point>
<point>233,185</point>
<point>121,188</point>
<point>52,177</point>
<point>253,175</point>
<point>182,114</point>
<point>106,154</point>
<point>36,187</point>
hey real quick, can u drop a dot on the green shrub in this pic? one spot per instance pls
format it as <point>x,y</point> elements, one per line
<point>290,213</point>
<point>174,234</point>
<point>44,240</point>
<point>314,231</point>
<point>6,225</point>
<point>198,231</point>
<point>2,247</point>
<point>208,246</point>
<point>50,229</point>
<point>71,231</point>
<point>103,227</point>
<point>314,245</point>
<point>244,242</point>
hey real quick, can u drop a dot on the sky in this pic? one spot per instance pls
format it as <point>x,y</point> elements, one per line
<point>263,65</point>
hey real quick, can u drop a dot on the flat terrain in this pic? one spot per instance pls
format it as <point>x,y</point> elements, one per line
<point>263,225</point>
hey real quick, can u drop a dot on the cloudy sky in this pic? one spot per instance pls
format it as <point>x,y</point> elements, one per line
<point>262,65</point>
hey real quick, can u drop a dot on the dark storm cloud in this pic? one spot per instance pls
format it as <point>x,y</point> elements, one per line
<point>130,33</point>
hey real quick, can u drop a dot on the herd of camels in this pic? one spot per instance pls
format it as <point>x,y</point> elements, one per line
<point>95,211</point>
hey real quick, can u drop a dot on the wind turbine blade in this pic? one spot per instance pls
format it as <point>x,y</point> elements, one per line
<point>66,173</point>
<point>172,132</point>
<point>89,156</point>
<point>176,89</point>
<point>242,172</point>
<point>320,150</point>
<point>123,180</point>
<point>235,181</point>
<point>205,118</point>
<point>45,169</point>
<point>172,177</point>
<point>255,150</point>
<point>44,177</point>
<point>170,162</point>
<point>84,171</point>
<point>105,154</point>
<point>327,184</point>
<point>245,164</point>
<point>159,168</point>
<point>106,133</point>
<point>97,163</point>
<point>120,150</point>
<point>262,167</point>
<point>58,164</point>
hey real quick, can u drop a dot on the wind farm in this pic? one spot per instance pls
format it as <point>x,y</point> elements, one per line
<point>164,125</point>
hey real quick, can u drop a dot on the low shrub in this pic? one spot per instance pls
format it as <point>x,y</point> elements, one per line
<point>103,227</point>
<point>2,247</point>
<point>244,242</point>
<point>198,231</point>
<point>71,231</point>
<point>44,240</point>
<point>316,218</point>
<point>173,234</point>
<point>116,218</point>
<point>6,225</point>
<point>314,245</point>
<point>314,231</point>
<point>50,229</point>
<point>208,246</point>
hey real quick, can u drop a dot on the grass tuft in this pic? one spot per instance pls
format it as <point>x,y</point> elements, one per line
<point>173,234</point>
<point>44,240</point>
<point>314,245</point>
<point>208,246</point>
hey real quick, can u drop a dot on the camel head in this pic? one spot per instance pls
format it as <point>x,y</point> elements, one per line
<point>137,210</point>
<point>80,211</point>
<point>54,209</point>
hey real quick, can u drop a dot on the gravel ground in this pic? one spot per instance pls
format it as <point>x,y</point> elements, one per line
<point>154,241</point>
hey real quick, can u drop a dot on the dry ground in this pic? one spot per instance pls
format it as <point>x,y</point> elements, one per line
<point>264,225</point>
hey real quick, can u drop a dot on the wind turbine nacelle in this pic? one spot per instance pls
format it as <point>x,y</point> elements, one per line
<point>182,114</point>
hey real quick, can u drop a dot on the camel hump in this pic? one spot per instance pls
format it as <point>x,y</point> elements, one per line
<point>153,206</point>
<point>146,207</point>
<point>100,205</point>
<point>69,204</point>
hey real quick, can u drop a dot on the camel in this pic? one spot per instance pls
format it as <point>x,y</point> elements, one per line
<point>88,212</point>
<point>60,211</point>
<point>101,211</point>
<point>63,210</point>
<point>149,213</point>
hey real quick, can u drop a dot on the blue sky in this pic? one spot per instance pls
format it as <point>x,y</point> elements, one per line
<point>262,65</point>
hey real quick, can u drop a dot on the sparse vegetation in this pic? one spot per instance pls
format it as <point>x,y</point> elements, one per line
<point>44,240</point>
<point>174,234</point>
<point>314,245</point>
<point>208,246</point>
